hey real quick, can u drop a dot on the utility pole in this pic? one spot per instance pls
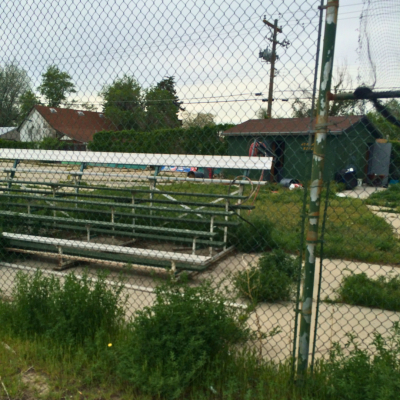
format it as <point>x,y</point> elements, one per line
<point>285,43</point>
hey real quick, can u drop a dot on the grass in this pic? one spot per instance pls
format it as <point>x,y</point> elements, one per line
<point>360,290</point>
<point>387,198</point>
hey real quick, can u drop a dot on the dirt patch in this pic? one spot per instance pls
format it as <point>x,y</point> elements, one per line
<point>37,384</point>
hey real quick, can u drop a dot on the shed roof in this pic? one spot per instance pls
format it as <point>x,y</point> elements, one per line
<point>76,124</point>
<point>297,126</point>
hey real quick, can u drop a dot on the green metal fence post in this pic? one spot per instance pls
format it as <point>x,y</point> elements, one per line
<point>317,170</point>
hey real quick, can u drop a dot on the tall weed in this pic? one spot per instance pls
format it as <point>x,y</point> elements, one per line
<point>272,279</point>
<point>365,374</point>
<point>69,311</point>
<point>179,337</point>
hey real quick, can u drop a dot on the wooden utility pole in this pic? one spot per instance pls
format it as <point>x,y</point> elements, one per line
<point>273,58</point>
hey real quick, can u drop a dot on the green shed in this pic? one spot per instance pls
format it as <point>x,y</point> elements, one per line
<point>350,141</point>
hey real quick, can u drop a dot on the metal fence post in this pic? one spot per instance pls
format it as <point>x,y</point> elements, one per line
<point>317,170</point>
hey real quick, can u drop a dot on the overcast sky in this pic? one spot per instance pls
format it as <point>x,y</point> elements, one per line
<point>210,47</point>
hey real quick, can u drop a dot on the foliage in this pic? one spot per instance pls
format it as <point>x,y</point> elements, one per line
<point>130,107</point>
<point>174,141</point>
<point>272,279</point>
<point>177,338</point>
<point>56,86</point>
<point>27,101</point>
<point>361,374</point>
<point>11,144</point>
<point>382,292</point>
<point>341,82</point>
<point>388,130</point>
<point>386,198</point>
<point>252,235</point>
<point>123,103</point>
<point>68,312</point>
<point>50,143</point>
<point>191,120</point>
<point>262,113</point>
<point>14,83</point>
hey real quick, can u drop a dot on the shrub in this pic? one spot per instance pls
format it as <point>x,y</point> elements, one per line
<point>68,312</point>
<point>360,375</point>
<point>177,338</point>
<point>382,292</point>
<point>252,236</point>
<point>272,279</point>
<point>196,140</point>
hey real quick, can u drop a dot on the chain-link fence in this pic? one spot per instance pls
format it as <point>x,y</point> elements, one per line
<point>177,137</point>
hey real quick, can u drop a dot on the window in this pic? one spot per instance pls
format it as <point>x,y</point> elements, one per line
<point>81,113</point>
<point>53,111</point>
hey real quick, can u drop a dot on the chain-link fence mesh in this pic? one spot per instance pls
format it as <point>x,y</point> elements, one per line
<point>152,139</point>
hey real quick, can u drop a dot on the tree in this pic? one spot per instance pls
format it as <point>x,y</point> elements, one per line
<point>200,120</point>
<point>342,82</point>
<point>162,105</point>
<point>14,82</point>
<point>385,127</point>
<point>124,103</point>
<point>56,86</point>
<point>27,100</point>
<point>262,113</point>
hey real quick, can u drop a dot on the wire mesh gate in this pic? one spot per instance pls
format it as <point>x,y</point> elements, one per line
<point>147,136</point>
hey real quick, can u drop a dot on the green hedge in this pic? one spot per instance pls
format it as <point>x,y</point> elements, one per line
<point>168,141</point>
<point>11,144</point>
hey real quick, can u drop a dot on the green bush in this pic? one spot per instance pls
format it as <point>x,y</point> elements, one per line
<point>252,236</point>
<point>382,292</point>
<point>174,341</point>
<point>68,312</point>
<point>272,279</point>
<point>194,140</point>
<point>11,144</point>
<point>365,374</point>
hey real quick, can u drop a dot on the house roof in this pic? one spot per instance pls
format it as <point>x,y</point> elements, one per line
<point>9,133</point>
<point>75,125</point>
<point>297,126</point>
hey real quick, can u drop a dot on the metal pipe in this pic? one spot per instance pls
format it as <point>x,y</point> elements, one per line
<point>374,95</point>
<point>316,185</point>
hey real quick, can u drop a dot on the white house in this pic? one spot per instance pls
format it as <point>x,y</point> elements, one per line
<point>73,126</point>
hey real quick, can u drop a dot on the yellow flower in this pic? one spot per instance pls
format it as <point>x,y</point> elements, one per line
<point>109,344</point>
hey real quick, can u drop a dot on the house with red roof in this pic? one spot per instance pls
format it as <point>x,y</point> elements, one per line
<point>75,127</point>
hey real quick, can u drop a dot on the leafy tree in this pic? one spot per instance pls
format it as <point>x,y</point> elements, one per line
<point>200,120</point>
<point>56,86</point>
<point>387,129</point>
<point>162,105</point>
<point>262,113</point>
<point>124,103</point>
<point>27,100</point>
<point>342,82</point>
<point>14,82</point>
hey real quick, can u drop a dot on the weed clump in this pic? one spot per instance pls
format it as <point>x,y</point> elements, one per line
<point>382,292</point>
<point>173,342</point>
<point>272,279</point>
<point>365,374</point>
<point>68,312</point>
<point>253,236</point>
